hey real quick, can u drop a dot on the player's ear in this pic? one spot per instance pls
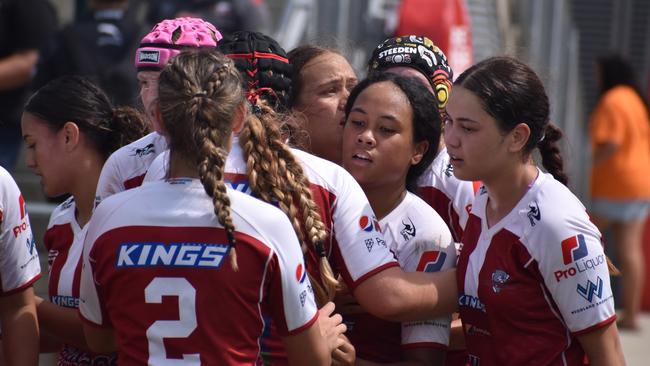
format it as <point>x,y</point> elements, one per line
<point>239,118</point>
<point>70,135</point>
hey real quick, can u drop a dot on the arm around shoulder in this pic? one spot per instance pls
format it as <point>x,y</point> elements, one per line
<point>395,295</point>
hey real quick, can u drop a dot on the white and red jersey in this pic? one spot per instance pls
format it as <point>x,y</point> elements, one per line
<point>533,281</point>
<point>64,243</point>
<point>450,197</point>
<point>356,250</point>
<point>421,242</point>
<point>156,269</point>
<point>19,265</point>
<point>126,167</point>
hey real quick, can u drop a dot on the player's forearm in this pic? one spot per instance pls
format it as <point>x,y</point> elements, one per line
<point>17,70</point>
<point>19,328</point>
<point>603,346</point>
<point>61,323</point>
<point>396,295</point>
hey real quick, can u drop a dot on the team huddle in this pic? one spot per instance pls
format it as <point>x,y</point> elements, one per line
<point>281,213</point>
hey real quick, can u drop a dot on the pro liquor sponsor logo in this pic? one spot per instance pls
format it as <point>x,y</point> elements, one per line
<point>574,248</point>
<point>574,254</point>
<point>24,223</point>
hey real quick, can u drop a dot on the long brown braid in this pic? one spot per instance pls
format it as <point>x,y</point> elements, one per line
<point>275,175</point>
<point>199,93</point>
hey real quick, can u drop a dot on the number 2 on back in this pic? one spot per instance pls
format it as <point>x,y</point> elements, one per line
<point>180,328</point>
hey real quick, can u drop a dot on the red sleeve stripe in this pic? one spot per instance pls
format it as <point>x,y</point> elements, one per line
<point>372,273</point>
<point>605,322</point>
<point>306,325</point>
<point>23,287</point>
<point>424,345</point>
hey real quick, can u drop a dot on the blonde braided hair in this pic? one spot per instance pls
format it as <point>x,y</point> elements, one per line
<point>270,166</point>
<point>199,93</point>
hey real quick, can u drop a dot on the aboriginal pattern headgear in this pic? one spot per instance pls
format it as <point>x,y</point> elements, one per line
<point>263,65</point>
<point>420,54</point>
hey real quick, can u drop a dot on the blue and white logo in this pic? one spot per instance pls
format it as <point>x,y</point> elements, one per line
<point>591,290</point>
<point>471,302</point>
<point>30,245</point>
<point>200,255</point>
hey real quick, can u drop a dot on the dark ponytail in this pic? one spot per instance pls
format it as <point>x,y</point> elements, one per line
<point>77,99</point>
<point>512,93</point>
<point>550,152</point>
<point>127,125</point>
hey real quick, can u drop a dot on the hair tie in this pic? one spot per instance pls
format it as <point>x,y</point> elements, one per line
<point>200,94</point>
<point>542,138</point>
<point>231,237</point>
<point>320,250</point>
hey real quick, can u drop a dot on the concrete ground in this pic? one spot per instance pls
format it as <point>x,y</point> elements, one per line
<point>636,345</point>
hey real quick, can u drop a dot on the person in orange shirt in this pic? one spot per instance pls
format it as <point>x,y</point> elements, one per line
<point>620,176</point>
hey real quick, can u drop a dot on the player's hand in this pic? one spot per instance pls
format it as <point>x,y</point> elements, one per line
<point>345,355</point>
<point>331,326</point>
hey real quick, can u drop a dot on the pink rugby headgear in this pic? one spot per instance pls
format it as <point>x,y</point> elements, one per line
<point>169,37</point>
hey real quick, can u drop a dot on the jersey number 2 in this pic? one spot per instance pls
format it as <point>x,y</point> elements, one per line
<point>180,328</point>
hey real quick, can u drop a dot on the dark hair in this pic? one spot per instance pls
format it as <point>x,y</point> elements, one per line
<point>615,70</point>
<point>263,66</point>
<point>199,93</point>
<point>298,58</point>
<point>512,93</point>
<point>77,99</point>
<point>426,119</point>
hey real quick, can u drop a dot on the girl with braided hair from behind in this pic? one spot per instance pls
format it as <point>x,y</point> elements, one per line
<point>193,238</point>
<point>534,285</point>
<point>355,247</point>
<point>260,163</point>
<point>70,128</point>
